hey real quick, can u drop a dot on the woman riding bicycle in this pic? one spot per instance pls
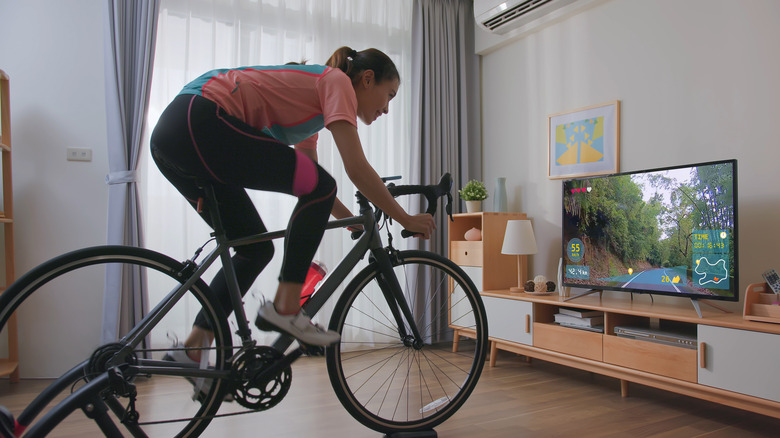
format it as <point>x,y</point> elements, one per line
<point>232,128</point>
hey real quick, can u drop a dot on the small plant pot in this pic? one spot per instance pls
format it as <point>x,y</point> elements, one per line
<point>473,206</point>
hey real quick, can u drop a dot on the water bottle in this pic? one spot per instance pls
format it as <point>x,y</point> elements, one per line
<point>317,271</point>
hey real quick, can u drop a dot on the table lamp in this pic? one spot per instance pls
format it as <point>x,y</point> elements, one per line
<point>519,240</point>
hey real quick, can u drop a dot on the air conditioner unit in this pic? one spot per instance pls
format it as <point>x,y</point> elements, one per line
<point>501,16</point>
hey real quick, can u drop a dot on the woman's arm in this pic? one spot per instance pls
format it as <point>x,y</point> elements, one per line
<point>368,181</point>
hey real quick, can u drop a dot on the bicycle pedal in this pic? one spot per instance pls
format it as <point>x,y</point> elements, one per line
<point>264,325</point>
<point>313,350</point>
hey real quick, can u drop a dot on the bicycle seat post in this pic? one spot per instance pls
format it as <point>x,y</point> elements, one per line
<point>220,235</point>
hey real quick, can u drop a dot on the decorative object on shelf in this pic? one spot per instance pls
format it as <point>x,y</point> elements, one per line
<point>499,195</point>
<point>584,142</point>
<point>540,286</point>
<point>540,283</point>
<point>474,234</point>
<point>562,290</point>
<point>474,192</point>
<point>519,240</point>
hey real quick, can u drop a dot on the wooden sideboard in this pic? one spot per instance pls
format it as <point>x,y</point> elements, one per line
<point>733,362</point>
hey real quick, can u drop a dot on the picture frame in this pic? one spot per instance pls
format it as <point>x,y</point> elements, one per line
<point>584,141</point>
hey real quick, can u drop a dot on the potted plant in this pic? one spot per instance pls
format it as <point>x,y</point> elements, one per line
<point>474,192</point>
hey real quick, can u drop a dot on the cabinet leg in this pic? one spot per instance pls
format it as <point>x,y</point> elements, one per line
<point>624,388</point>
<point>455,341</point>
<point>493,353</point>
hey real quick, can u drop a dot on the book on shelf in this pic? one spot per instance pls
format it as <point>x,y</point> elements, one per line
<point>580,313</point>
<point>589,321</point>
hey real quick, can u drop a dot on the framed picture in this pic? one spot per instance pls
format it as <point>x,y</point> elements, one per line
<point>584,142</point>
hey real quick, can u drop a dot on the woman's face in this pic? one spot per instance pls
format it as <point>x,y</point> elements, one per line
<point>373,98</point>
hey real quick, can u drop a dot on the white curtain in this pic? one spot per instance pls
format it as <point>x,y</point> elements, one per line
<point>199,35</point>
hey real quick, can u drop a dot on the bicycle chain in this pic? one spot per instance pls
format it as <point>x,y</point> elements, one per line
<point>251,362</point>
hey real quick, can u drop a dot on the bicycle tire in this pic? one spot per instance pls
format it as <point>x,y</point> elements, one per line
<point>390,386</point>
<point>74,272</point>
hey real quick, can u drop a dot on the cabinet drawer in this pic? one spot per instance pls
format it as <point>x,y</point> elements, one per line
<point>665,360</point>
<point>509,320</point>
<point>568,340</point>
<point>466,253</point>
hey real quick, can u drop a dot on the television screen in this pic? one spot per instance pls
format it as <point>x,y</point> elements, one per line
<point>670,231</point>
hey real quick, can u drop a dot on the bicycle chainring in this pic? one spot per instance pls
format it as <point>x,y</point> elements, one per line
<point>254,391</point>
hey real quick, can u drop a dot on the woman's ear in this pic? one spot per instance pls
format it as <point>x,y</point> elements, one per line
<point>368,77</point>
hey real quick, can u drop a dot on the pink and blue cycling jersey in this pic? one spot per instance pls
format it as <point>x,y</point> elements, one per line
<point>289,103</point>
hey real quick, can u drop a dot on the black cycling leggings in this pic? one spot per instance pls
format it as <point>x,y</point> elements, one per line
<point>195,140</point>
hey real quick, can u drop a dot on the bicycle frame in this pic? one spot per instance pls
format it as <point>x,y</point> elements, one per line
<point>369,242</point>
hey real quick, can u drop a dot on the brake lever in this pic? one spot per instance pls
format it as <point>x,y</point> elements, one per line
<point>448,207</point>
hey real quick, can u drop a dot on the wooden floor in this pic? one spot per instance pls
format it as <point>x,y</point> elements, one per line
<point>514,399</point>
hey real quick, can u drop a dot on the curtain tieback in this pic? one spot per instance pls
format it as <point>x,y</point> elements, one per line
<point>120,177</point>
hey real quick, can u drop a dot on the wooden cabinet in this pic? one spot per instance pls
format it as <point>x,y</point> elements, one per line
<point>9,366</point>
<point>485,265</point>
<point>493,269</point>
<point>733,361</point>
<point>743,361</point>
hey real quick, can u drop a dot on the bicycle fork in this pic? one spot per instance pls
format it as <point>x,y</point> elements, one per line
<point>399,305</point>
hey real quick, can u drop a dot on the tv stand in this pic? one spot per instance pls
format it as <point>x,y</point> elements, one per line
<point>695,302</point>
<point>592,291</point>
<point>715,371</point>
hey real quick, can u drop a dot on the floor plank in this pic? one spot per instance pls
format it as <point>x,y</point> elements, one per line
<point>515,398</point>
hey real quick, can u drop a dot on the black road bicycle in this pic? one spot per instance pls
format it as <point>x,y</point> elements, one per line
<point>394,369</point>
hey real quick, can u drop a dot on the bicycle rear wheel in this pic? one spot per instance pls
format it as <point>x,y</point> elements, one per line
<point>391,385</point>
<point>164,400</point>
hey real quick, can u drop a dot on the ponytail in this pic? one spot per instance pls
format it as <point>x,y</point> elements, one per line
<point>353,63</point>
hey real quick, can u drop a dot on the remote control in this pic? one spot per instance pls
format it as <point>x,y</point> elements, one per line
<point>773,280</point>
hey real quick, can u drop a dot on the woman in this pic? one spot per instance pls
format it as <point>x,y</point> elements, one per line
<point>233,128</point>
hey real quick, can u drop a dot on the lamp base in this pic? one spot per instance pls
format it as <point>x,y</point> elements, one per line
<point>516,290</point>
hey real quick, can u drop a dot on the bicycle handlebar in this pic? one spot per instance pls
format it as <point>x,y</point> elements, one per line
<point>431,192</point>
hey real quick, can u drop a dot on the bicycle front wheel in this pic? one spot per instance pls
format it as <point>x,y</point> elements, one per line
<point>166,402</point>
<point>389,383</point>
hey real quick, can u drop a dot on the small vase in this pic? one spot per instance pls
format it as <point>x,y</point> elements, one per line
<point>499,195</point>
<point>473,206</point>
<point>473,235</point>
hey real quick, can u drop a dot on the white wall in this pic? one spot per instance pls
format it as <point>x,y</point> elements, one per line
<point>697,80</point>
<point>53,53</point>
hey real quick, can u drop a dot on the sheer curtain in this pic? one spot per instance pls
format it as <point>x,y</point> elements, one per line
<point>199,35</point>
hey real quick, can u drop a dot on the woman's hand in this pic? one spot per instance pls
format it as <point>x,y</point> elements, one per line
<point>421,224</point>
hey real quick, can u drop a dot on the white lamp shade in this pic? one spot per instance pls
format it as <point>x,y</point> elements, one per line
<point>519,238</point>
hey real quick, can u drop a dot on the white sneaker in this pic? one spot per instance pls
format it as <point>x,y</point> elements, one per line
<point>299,326</point>
<point>200,386</point>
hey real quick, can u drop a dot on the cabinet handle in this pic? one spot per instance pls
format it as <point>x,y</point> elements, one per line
<point>702,355</point>
<point>528,323</point>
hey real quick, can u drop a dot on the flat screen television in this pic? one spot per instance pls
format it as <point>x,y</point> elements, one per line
<point>668,231</point>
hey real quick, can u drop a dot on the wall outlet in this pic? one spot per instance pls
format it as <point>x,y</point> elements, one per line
<point>79,154</point>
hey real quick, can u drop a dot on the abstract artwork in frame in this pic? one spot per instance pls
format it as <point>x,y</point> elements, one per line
<point>584,142</point>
